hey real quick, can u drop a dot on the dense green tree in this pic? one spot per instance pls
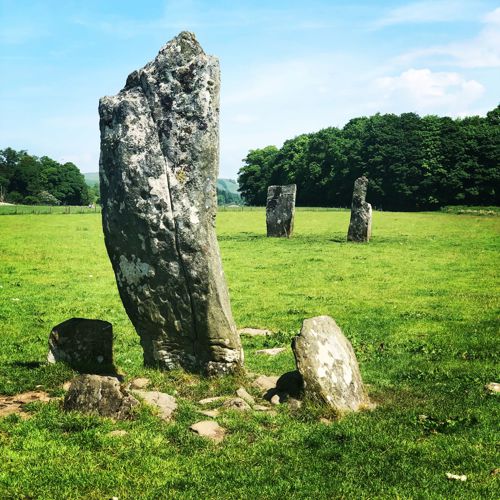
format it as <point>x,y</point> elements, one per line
<point>413,163</point>
<point>255,176</point>
<point>31,180</point>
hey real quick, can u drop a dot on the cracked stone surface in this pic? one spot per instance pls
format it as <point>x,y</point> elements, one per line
<point>360,226</point>
<point>280,210</point>
<point>158,171</point>
<point>328,365</point>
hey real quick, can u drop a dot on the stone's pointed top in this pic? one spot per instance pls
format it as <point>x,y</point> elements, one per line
<point>184,43</point>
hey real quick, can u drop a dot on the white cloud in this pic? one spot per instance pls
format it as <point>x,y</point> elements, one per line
<point>425,91</point>
<point>482,51</point>
<point>425,12</point>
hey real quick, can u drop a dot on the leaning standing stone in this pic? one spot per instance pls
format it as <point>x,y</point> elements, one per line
<point>158,172</point>
<point>280,210</point>
<point>360,227</point>
<point>328,365</point>
<point>84,344</point>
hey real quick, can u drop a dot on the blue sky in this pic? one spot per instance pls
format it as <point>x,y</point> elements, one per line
<point>287,67</point>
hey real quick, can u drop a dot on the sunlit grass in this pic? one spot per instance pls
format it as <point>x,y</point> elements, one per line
<point>419,304</point>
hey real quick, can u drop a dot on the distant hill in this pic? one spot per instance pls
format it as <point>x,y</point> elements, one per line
<point>227,189</point>
<point>91,178</point>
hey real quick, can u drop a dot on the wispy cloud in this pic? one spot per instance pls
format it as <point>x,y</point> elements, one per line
<point>481,51</point>
<point>425,12</point>
<point>424,91</point>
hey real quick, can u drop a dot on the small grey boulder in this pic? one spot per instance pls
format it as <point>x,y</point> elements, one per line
<point>164,403</point>
<point>328,365</point>
<point>100,395</point>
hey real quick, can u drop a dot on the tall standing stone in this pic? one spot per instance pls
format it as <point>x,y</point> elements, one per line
<point>158,172</point>
<point>280,210</point>
<point>360,227</point>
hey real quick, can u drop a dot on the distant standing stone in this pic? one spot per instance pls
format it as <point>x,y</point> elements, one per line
<point>158,172</point>
<point>84,344</point>
<point>328,365</point>
<point>360,226</point>
<point>100,395</point>
<point>280,210</point>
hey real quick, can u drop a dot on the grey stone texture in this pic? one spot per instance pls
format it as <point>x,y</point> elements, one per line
<point>280,210</point>
<point>360,226</point>
<point>328,365</point>
<point>84,344</point>
<point>158,172</point>
<point>209,429</point>
<point>99,395</point>
<point>164,403</point>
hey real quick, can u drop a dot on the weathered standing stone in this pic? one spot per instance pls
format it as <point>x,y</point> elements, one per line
<point>328,365</point>
<point>280,210</point>
<point>158,171</point>
<point>101,395</point>
<point>360,226</point>
<point>84,344</point>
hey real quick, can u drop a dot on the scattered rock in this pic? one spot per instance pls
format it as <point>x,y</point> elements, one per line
<point>165,403</point>
<point>271,352</point>
<point>140,383</point>
<point>265,383</point>
<point>209,413</point>
<point>158,173</point>
<point>101,395</point>
<point>238,404</point>
<point>495,471</point>
<point>261,408</point>
<point>328,365</point>
<point>294,404</point>
<point>254,332</point>
<point>66,385</point>
<point>209,429</point>
<point>280,210</point>
<point>16,404</point>
<point>360,226</point>
<point>86,345</point>
<point>117,433</point>
<point>211,400</point>
<point>275,399</point>
<point>243,394</point>
<point>456,477</point>
<point>493,387</point>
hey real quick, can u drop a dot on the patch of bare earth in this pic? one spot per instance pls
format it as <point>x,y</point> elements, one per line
<point>16,403</point>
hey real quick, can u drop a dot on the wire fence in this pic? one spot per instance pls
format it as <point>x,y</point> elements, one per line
<point>46,210</point>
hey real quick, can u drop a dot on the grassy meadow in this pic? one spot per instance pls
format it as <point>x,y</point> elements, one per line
<point>420,304</point>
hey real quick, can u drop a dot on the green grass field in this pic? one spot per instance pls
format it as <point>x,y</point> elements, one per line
<point>420,304</point>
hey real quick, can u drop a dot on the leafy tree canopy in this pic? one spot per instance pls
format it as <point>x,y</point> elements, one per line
<point>28,179</point>
<point>412,162</point>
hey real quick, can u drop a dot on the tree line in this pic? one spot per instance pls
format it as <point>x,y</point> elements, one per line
<point>412,163</point>
<point>32,180</point>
